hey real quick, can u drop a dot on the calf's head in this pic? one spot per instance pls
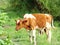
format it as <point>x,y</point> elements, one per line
<point>24,23</point>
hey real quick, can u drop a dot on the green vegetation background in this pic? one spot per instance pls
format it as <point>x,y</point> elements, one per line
<point>11,10</point>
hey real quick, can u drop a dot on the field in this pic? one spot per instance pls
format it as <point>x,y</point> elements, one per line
<point>9,36</point>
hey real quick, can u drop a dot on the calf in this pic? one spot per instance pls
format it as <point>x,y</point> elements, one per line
<point>36,21</point>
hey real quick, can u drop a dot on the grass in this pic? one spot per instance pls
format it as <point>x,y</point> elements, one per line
<point>9,35</point>
<point>21,37</point>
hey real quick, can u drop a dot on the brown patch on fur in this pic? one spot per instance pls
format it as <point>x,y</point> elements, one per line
<point>30,24</point>
<point>49,18</point>
<point>40,20</point>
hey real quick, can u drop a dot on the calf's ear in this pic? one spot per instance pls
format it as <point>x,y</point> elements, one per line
<point>24,21</point>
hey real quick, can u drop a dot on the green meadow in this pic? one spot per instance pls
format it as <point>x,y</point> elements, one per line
<point>9,36</point>
<point>11,10</point>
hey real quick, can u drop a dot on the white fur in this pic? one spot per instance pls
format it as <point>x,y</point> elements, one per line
<point>48,25</point>
<point>49,35</point>
<point>53,24</point>
<point>34,31</point>
<point>34,36</point>
<point>47,14</point>
<point>30,34</point>
<point>29,16</point>
<point>18,21</point>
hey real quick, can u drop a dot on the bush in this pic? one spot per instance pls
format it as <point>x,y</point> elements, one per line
<point>7,41</point>
<point>57,23</point>
<point>3,18</point>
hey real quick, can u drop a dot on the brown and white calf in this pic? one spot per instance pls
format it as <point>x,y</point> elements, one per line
<point>31,22</point>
